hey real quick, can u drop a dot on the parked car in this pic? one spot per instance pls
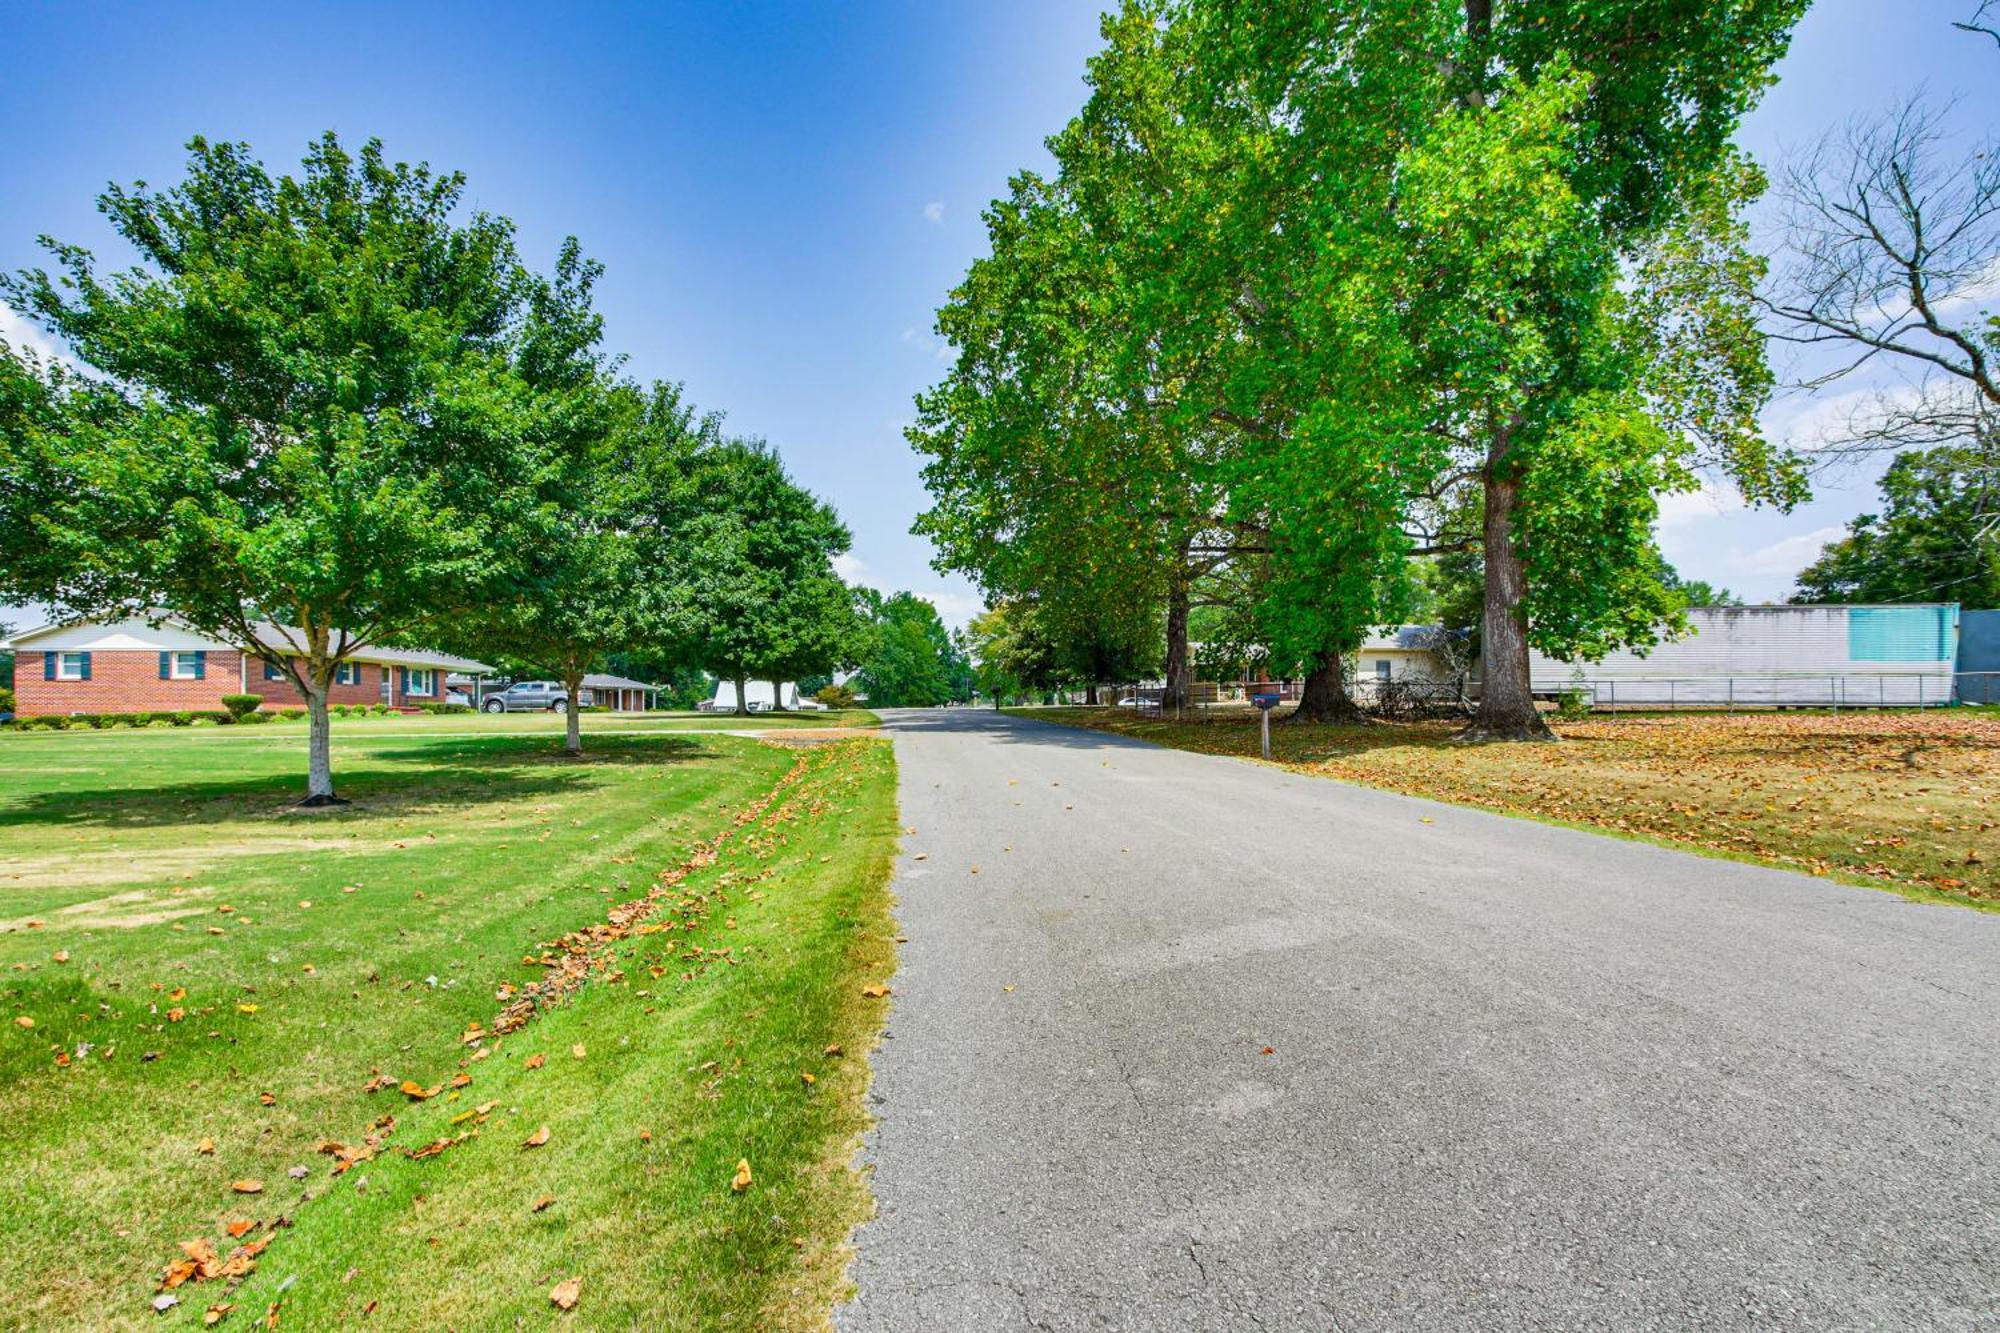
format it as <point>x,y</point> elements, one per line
<point>458,697</point>
<point>534,696</point>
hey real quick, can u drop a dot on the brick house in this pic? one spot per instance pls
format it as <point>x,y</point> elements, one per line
<point>140,666</point>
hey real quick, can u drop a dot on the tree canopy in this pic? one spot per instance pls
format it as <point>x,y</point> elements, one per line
<point>1316,289</point>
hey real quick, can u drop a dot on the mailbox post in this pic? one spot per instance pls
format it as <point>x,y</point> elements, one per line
<point>1264,694</point>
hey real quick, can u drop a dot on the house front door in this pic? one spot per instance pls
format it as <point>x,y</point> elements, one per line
<point>387,692</point>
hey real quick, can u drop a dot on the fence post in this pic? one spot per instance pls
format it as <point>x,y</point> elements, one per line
<point>1833,691</point>
<point>1672,703</point>
<point>1732,695</point>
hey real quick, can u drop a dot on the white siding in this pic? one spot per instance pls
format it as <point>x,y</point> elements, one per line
<point>1752,655</point>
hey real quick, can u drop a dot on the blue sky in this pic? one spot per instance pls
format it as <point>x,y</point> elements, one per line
<point>782,193</point>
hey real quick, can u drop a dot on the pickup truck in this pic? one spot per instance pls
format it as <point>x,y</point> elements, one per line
<point>534,696</point>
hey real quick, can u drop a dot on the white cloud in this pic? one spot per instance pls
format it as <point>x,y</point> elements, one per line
<point>934,212</point>
<point>953,607</point>
<point>945,354</point>
<point>17,332</point>
<point>1686,508</point>
<point>850,567</point>
<point>1784,558</point>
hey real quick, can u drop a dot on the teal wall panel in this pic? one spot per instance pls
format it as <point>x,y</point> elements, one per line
<point>1902,633</point>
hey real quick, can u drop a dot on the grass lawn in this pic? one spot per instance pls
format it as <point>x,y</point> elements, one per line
<point>1907,801</point>
<point>216,983</point>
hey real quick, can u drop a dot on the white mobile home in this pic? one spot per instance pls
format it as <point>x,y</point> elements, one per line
<point>1809,656</point>
<point>757,694</point>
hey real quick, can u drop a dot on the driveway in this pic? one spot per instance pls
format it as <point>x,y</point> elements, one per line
<point>1184,1043</point>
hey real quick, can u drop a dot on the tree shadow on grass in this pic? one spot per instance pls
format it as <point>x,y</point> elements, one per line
<point>449,777</point>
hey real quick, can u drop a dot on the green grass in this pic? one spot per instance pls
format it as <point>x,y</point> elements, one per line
<point>468,848</point>
<point>1902,800</point>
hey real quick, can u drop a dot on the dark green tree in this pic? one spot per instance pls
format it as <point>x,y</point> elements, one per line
<point>302,405</point>
<point>1936,539</point>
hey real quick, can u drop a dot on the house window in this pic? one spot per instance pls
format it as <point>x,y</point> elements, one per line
<point>1382,669</point>
<point>187,666</point>
<point>272,671</point>
<point>73,666</point>
<point>347,673</point>
<point>420,681</point>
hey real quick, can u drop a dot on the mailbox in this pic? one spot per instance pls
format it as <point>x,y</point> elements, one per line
<point>1265,694</point>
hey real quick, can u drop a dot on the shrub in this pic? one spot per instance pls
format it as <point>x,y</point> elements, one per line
<point>255,719</point>
<point>181,719</point>
<point>140,719</point>
<point>835,696</point>
<point>1575,701</point>
<point>241,706</point>
<point>6,700</point>
<point>379,710</point>
<point>448,708</point>
<point>291,714</point>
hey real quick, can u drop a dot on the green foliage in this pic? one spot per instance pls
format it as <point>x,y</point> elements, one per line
<point>313,398</point>
<point>1318,288</point>
<point>835,696</point>
<point>909,660</point>
<point>241,705</point>
<point>757,598</point>
<point>1937,538</point>
<point>6,700</point>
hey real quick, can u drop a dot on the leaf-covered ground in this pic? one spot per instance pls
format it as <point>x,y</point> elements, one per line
<point>1908,801</point>
<point>501,1037</point>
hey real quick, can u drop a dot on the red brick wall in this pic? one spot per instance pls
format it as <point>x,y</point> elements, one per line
<point>128,681</point>
<point>124,681</point>
<point>280,693</point>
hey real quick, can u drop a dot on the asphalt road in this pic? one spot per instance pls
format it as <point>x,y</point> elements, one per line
<point>1191,1043</point>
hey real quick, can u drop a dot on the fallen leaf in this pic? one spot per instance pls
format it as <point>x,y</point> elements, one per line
<point>238,1227</point>
<point>246,1008</point>
<point>832,1050</point>
<point>567,1293</point>
<point>24,1022</point>
<point>267,1099</point>
<point>213,1315</point>
<point>537,1139</point>
<point>61,955</point>
<point>247,1186</point>
<point>541,1203</point>
<point>416,1091</point>
<point>741,1180</point>
<point>876,991</point>
<point>577,1050</point>
<point>807,1078</point>
<point>535,1061</point>
<point>206,1147</point>
<point>461,1080</point>
<point>921,856</point>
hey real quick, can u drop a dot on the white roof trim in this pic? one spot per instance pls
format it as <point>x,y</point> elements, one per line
<point>274,637</point>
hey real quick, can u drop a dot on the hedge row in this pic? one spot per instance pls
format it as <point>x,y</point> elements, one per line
<point>216,717</point>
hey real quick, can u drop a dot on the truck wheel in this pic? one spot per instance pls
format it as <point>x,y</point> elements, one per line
<point>559,706</point>
<point>494,706</point>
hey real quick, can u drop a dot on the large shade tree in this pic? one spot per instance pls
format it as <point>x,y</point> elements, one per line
<point>757,595</point>
<point>299,421</point>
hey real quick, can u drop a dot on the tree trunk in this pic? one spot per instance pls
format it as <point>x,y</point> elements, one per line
<point>319,763</point>
<point>742,696</point>
<point>1180,670</point>
<point>573,729</point>
<point>1090,695</point>
<point>1325,697</point>
<point>778,697</point>
<point>1506,700</point>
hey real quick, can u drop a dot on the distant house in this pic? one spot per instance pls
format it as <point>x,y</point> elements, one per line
<point>1405,652</point>
<point>757,692</point>
<point>147,666</point>
<point>1807,656</point>
<point>621,695</point>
